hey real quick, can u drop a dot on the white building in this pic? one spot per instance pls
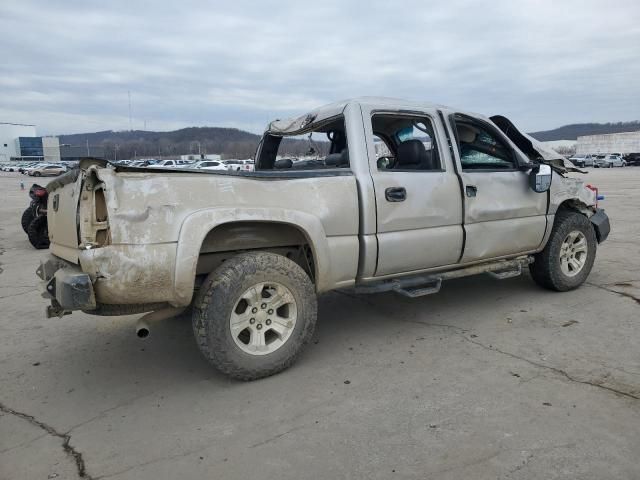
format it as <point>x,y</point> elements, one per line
<point>9,135</point>
<point>626,142</point>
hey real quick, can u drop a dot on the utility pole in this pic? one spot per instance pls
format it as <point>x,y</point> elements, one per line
<point>88,153</point>
<point>130,125</point>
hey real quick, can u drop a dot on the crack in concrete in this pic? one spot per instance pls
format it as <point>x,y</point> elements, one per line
<point>606,289</point>
<point>18,294</point>
<point>65,437</point>
<point>552,369</point>
<point>462,332</point>
<point>23,444</point>
<point>276,437</point>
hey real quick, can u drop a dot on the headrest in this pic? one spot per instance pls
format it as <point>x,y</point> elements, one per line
<point>466,134</point>
<point>411,152</point>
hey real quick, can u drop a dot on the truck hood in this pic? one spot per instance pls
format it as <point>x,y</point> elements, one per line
<point>532,148</point>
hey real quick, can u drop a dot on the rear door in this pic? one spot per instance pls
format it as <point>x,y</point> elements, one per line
<point>503,215</point>
<point>418,200</point>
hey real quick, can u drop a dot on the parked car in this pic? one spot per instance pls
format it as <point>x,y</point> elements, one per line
<point>47,170</point>
<point>164,164</point>
<point>25,169</point>
<point>632,158</point>
<point>247,165</point>
<point>583,160</point>
<point>10,167</point>
<point>233,165</point>
<point>251,252</point>
<point>208,165</point>
<point>598,161</point>
<point>610,161</point>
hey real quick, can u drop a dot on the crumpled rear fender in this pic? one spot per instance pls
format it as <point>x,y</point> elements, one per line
<point>197,225</point>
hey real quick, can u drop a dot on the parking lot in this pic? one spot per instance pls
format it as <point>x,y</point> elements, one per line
<point>487,379</point>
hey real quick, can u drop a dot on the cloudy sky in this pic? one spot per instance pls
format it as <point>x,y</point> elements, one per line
<point>67,65</point>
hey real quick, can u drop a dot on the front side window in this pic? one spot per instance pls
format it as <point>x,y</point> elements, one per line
<point>480,148</point>
<point>404,142</point>
<point>319,147</point>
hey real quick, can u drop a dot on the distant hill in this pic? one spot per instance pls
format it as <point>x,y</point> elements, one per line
<point>229,141</point>
<point>235,143</point>
<point>572,132</point>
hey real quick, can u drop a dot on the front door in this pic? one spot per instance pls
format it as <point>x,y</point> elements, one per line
<point>503,215</point>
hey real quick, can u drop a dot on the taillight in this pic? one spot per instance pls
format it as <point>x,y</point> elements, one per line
<point>41,192</point>
<point>595,189</point>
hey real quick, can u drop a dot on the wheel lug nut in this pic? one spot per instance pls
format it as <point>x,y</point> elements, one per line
<point>254,310</point>
<point>259,326</point>
<point>264,305</point>
<point>268,322</point>
<point>270,311</point>
<point>252,321</point>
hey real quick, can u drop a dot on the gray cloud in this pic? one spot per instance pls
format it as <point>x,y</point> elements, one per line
<point>67,65</point>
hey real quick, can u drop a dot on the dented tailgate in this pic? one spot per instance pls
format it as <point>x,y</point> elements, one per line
<point>64,194</point>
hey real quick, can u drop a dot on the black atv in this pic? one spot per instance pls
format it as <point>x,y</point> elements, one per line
<point>34,218</point>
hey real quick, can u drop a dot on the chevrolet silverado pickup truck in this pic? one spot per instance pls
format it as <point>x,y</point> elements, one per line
<point>371,194</point>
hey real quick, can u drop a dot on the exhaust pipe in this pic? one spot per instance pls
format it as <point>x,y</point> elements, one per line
<point>143,329</point>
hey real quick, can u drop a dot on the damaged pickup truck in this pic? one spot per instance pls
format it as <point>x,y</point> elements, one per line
<point>379,195</point>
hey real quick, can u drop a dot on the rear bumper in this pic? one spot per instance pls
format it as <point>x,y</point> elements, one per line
<point>600,222</point>
<point>66,286</point>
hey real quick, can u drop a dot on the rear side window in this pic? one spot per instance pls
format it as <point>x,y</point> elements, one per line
<point>405,143</point>
<point>480,148</point>
<point>319,147</point>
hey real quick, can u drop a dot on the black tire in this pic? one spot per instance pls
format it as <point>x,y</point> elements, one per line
<point>546,270</point>
<point>27,218</point>
<point>38,232</point>
<point>36,174</point>
<point>219,296</point>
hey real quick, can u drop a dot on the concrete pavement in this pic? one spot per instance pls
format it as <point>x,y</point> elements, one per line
<point>488,379</point>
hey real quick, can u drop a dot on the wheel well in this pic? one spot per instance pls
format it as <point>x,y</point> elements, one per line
<point>577,206</point>
<point>229,239</point>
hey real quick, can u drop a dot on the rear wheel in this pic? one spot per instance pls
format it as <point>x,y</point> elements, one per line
<point>566,261</point>
<point>254,314</point>
<point>38,232</point>
<point>27,218</point>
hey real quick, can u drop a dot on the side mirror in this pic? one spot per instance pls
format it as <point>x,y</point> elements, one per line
<point>540,178</point>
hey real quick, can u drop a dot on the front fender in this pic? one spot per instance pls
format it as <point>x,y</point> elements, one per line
<point>197,225</point>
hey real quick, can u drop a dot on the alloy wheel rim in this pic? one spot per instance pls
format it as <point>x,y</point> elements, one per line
<point>573,253</point>
<point>263,318</point>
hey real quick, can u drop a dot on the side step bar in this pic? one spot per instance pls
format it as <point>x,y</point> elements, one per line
<point>420,285</point>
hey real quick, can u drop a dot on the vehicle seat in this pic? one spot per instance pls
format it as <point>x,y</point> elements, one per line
<point>412,155</point>
<point>337,160</point>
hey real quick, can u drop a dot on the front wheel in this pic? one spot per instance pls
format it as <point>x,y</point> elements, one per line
<point>254,314</point>
<point>567,259</point>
